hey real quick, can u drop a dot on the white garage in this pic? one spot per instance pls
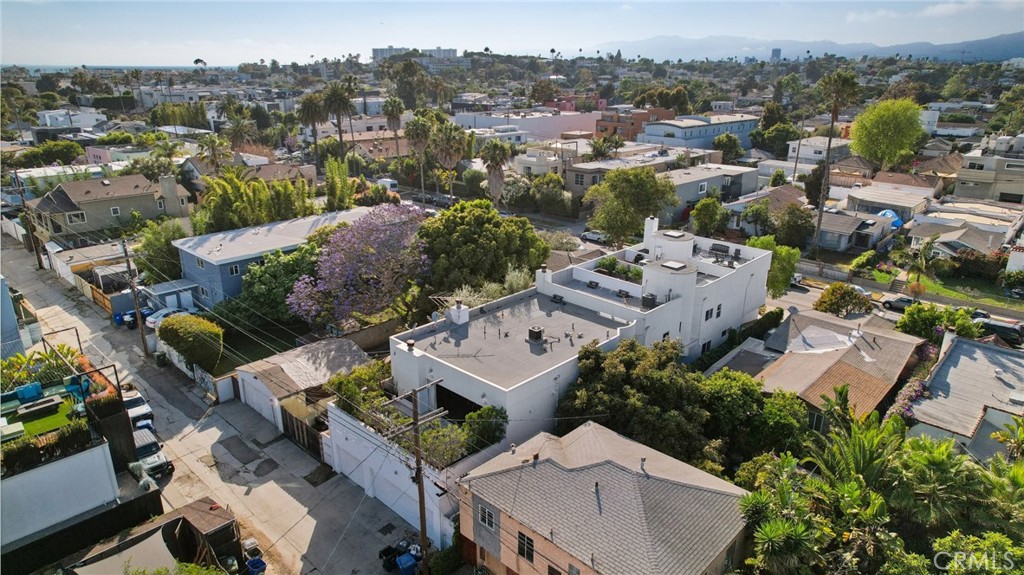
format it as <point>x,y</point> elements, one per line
<point>265,383</point>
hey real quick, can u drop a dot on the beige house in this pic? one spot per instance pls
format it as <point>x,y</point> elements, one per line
<point>75,213</point>
<point>594,502</point>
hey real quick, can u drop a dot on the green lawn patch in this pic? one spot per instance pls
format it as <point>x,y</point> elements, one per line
<point>838,259</point>
<point>240,349</point>
<point>882,277</point>
<point>41,425</point>
<point>970,290</point>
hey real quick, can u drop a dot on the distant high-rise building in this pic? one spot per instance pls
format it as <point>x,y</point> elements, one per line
<point>439,52</point>
<point>776,54</point>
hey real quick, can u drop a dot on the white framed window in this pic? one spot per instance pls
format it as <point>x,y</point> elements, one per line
<point>705,347</point>
<point>578,179</point>
<point>234,271</point>
<point>595,179</point>
<point>204,292</point>
<point>702,188</point>
<point>525,547</point>
<point>486,518</point>
<point>183,202</point>
<point>1010,166</point>
<point>718,312</point>
<point>818,152</point>
<point>708,314</point>
<point>160,205</point>
<point>200,263</point>
<point>727,181</point>
<point>115,211</point>
<point>75,218</point>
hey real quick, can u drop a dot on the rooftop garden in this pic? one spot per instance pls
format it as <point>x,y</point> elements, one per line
<point>612,266</point>
<point>361,395</point>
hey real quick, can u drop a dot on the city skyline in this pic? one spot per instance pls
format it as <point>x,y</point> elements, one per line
<point>227,33</point>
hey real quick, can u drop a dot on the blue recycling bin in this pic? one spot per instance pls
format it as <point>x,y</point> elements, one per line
<point>257,566</point>
<point>406,564</point>
<point>118,320</point>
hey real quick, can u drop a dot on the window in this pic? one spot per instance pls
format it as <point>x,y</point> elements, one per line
<point>664,336</point>
<point>519,138</point>
<point>708,314</point>
<point>233,270</point>
<point>200,263</point>
<point>553,571</point>
<point>702,188</point>
<point>1010,166</point>
<point>818,152</point>
<point>975,166</point>
<point>817,421</point>
<point>183,202</point>
<point>705,347</point>
<point>595,179</point>
<point>525,547</point>
<point>204,292</point>
<point>578,179</point>
<point>725,332</point>
<point>115,211</point>
<point>792,150</point>
<point>486,518</point>
<point>527,170</point>
<point>727,181</point>
<point>75,218</point>
<point>483,555</point>
<point>160,205</point>
<point>574,570</point>
<point>56,228</point>
<point>718,311</point>
<point>369,128</point>
<point>969,184</point>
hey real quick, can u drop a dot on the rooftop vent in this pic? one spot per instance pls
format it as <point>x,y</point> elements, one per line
<point>870,222</point>
<point>675,234</point>
<point>105,182</point>
<point>1017,397</point>
<point>536,333</point>
<point>674,266</point>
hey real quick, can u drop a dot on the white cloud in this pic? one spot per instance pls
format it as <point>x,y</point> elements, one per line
<point>947,9</point>
<point>626,8</point>
<point>870,16</point>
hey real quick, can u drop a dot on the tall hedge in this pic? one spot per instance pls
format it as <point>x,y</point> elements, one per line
<point>198,340</point>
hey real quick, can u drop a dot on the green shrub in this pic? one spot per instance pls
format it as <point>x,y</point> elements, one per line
<point>1013,279</point>
<point>446,562</point>
<point>198,340</point>
<point>19,455</point>
<point>104,406</point>
<point>763,325</point>
<point>486,426</point>
<point>608,263</point>
<point>636,274</point>
<point>864,260</point>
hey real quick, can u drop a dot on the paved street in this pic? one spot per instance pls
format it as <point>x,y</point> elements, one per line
<point>227,452</point>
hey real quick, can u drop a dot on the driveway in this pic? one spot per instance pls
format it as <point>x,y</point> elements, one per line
<point>307,519</point>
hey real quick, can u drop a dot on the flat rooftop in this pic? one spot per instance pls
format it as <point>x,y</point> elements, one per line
<point>494,344</point>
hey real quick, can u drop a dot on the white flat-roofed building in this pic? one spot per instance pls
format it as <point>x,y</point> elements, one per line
<point>520,352</point>
<point>699,131</point>
<point>541,125</point>
<point>812,150</point>
<point>508,134</point>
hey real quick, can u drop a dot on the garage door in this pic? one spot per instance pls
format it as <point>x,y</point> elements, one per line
<point>258,397</point>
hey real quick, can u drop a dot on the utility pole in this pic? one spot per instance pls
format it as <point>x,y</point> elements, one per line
<point>417,421</point>
<point>796,161</point>
<point>29,226</point>
<point>135,298</point>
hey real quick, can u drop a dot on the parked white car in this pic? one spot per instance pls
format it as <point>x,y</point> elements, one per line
<point>154,321</point>
<point>137,406</point>
<point>861,291</point>
<point>594,236</point>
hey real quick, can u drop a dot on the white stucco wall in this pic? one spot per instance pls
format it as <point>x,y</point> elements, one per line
<point>44,496</point>
<point>256,395</point>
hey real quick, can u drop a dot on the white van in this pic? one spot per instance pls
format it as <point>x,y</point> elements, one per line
<point>389,185</point>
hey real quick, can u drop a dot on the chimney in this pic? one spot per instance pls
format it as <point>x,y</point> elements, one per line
<point>947,341</point>
<point>169,187</point>
<point>650,227</point>
<point>410,344</point>
<point>458,314</point>
<point>643,460</point>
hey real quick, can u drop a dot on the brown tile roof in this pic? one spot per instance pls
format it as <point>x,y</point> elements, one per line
<point>896,178</point>
<point>782,196</point>
<point>856,163</point>
<point>276,172</point>
<point>866,391</point>
<point>559,260</point>
<point>385,148</point>
<point>117,187</point>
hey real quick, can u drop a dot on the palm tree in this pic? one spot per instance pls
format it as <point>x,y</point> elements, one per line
<point>166,149</point>
<point>351,84</point>
<point>417,133</point>
<point>214,150</point>
<point>338,102</point>
<point>227,106</point>
<point>448,144</point>
<point>495,155</point>
<point>136,75</point>
<point>393,109</point>
<point>311,112</point>
<point>839,89</point>
<point>1012,436</point>
<point>240,130</point>
<point>928,263</point>
<point>600,149</point>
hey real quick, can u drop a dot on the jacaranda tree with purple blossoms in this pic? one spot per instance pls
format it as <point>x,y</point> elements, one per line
<point>363,268</point>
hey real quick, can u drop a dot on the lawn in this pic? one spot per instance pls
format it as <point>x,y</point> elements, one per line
<point>883,277</point>
<point>240,349</point>
<point>44,424</point>
<point>970,290</point>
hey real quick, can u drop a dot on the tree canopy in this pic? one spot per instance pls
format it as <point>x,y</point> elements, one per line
<point>887,131</point>
<point>156,256</point>
<point>930,321</point>
<point>784,260</point>
<point>625,198</point>
<point>709,217</point>
<point>793,225</point>
<point>470,244</point>
<point>730,147</point>
<point>840,299</point>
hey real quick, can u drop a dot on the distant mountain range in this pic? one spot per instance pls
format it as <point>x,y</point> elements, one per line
<point>661,48</point>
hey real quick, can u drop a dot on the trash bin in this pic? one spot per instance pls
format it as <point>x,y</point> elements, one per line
<point>256,566</point>
<point>130,321</point>
<point>118,319</point>
<point>161,359</point>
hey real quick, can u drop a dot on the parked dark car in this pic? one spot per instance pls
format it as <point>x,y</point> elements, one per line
<point>899,303</point>
<point>975,313</point>
<point>1010,332</point>
<point>445,201</point>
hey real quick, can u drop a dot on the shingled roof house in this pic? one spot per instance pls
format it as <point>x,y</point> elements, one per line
<point>595,502</point>
<point>74,212</point>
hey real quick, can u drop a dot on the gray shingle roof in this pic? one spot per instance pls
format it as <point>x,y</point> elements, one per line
<point>964,385</point>
<point>307,366</point>
<point>118,187</point>
<point>840,223</point>
<point>668,517</point>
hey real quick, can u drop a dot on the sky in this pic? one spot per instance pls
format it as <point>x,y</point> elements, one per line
<point>225,33</point>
